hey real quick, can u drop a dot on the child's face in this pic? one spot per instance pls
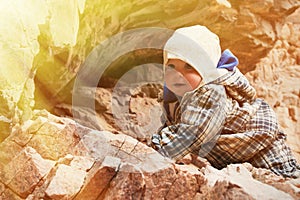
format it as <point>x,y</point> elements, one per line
<point>180,77</point>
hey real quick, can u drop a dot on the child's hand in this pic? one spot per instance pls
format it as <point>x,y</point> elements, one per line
<point>155,142</point>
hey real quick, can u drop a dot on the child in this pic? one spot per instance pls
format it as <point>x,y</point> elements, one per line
<point>216,113</point>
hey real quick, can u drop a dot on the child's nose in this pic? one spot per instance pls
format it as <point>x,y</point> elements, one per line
<point>176,73</point>
<point>180,73</point>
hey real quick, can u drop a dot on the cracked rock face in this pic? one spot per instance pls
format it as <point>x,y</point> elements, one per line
<point>103,165</point>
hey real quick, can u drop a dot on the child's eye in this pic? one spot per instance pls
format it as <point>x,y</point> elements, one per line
<point>188,67</point>
<point>171,66</point>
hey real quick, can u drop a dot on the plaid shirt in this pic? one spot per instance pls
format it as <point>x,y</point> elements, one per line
<point>224,122</point>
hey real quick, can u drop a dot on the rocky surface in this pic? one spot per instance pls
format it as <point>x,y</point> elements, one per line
<point>43,45</point>
<point>71,161</point>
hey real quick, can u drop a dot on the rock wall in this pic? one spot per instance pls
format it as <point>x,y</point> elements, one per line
<point>50,157</point>
<point>276,77</point>
<point>22,24</point>
<point>43,45</point>
<point>19,46</point>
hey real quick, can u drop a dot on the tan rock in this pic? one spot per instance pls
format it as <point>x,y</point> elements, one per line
<point>293,113</point>
<point>80,150</point>
<point>103,99</point>
<point>39,191</point>
<point>225,190</point>
<point>128,144</point>
<point>71,15</point>
<point>124,167</point>
<point>8,150</point>
<point>290,186</point>
<point>20,137</point>
<point>53,140</point>
<point>241,178</point>
<point>18,35</point>
<point>155,188</point>
<point>128,183</point>
<point>184,187</point>
<point>66,160</point>
<point>2,187</point>
<point>9,194</point>
<point>97,144</point>
<point>98,178</point>
<point>66,183</point>
<point>82,163</point>
<point>25,171</point>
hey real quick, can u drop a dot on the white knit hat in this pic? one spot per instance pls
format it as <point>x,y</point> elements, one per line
<point>197,46</point>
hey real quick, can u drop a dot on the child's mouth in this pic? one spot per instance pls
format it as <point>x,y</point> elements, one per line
<point>179,84</point>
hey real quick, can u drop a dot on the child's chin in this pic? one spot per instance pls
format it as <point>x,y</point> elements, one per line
<point>180,92</point>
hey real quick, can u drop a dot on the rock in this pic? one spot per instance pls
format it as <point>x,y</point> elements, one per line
<point>157,189</point>
<point>239,177</point>
<point>66,183</point>
<point>2,188</point>
<point>24,172</point>
<point>128,183</point>
<point>20,46</point>
<point>98,178</point>
<point>9,194</point>
<point>103,165</point>
<point>71,15</point>
<point>97,144</point>
<point>55,136</point>
<point>185,186</point>
<point>290,186</point>
<point>82,163</point>
<point>226,190</point>
<point>8,150</point>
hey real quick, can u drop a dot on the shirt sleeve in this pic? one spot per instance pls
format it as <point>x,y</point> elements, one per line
<point>202,118</point>
<point>239,88</point>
